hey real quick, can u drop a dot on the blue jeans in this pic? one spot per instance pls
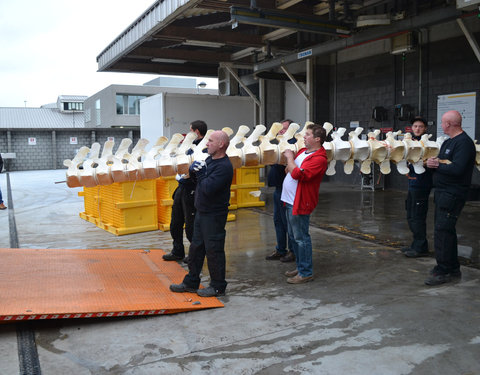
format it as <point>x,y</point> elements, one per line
<point>280,222</point>
<point>298,228</point>
<point>1,199</point>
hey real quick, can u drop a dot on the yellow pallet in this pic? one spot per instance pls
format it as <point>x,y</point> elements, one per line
<point>123,208</point>
<point>247,175</point>
<point>242,197</point>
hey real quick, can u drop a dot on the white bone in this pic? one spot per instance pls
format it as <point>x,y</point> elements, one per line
<point>234,153</point>
<point>134,167</point>
<point>413,149</point>
<point>299,136</point>
<point>87,174</point>
<point>268,150</point>
<point>149,163</point>
<point>74,165</point>
<point>283,142</point>
<point>251,153</point>
<point>117,168</point>
<point>166,162</point>
<point>228,130</point>
<point>102,172</point>
<point>360,147</point>
<point>183,160</point>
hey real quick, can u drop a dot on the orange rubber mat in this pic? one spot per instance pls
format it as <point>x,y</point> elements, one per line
<point>66,284</point>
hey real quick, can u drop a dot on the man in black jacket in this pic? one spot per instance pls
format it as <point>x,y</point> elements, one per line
<point>212,195</point>
<point>183,209</point>
<point>452,175</point>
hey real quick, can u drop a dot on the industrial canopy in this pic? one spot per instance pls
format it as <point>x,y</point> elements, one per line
<point>196,37</point>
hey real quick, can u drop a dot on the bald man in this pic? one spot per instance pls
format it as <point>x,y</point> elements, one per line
<point>212,195</point>
<point>452,175</point>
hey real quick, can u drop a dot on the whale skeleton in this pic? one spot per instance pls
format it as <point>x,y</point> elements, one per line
<point>167,158</point>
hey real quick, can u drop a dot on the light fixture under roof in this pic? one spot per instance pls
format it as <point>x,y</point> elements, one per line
<point>171,61</point>
<point>203,43</point>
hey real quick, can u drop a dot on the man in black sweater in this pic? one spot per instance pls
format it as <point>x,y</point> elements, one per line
<point>212,195</point>
<point>183,209</point>
<point>452,175</point>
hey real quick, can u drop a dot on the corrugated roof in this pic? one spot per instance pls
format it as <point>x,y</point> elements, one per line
<point>40,118</point>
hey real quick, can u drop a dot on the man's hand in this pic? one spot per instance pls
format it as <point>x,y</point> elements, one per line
<point>433,163</point>
<point>289,155</point>
<point>180,177</point>
<point>199,168</point>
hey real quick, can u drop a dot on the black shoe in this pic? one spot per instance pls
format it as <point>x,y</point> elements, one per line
<point>185,260</point>
<point>405,249</point>
<point>289,257</point>
<point>182,288</point>
<point>274,256</point>
<point>209,291</point>
<point>171,256</point>
<point>437,279</point>
<point>415,254</point>
<point>455,274</point>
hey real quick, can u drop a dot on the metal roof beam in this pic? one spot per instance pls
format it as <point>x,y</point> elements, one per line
<point>163,68</point>
<point>226,37</point>
<point>434,17</point>
<point>269,18</point>
<point>181,54</point>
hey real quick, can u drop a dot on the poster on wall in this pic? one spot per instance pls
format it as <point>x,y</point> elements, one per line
<point>463,103</point>
<point>73,141</point>
<point>32,141</point>
<point>111,139</point>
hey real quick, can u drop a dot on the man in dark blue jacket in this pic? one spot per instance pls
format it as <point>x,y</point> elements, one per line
<point>183,209</point>
<point>419,187</point>
<point>212,195</point>
<point>452,175</point>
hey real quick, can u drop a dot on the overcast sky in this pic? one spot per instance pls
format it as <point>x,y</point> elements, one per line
<point>49,48</point>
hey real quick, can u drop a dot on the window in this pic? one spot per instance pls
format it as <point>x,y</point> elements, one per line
<point>97,112</point>
<point>69,106</point>
<point>128,104</point>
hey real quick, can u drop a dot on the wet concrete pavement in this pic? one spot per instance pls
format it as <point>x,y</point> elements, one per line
<point>366,312</point>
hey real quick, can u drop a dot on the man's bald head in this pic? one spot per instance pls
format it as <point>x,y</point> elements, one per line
<point>454,117</point>
<point>217,144</point>
<point>452,123</point>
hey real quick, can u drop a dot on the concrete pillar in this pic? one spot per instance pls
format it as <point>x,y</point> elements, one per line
<point>93,137</point>
<point>54,149</point>
<point>130,134</point>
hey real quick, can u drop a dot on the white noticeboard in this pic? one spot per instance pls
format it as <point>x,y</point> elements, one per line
<point>32,141</point>
<point>73,141</point>
<point>463,103</point>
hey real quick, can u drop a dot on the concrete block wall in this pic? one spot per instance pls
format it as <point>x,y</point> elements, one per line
<point>31,157</point>
<point>65,150</point>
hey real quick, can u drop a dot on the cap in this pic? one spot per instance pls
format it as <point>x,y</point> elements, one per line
<point>419,118</point>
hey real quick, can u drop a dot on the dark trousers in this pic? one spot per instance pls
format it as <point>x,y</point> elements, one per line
<point>183,212</point>
<point>208,240</point>
<point>280,223</point>
<point>447,210</point>
<point>417,208</point>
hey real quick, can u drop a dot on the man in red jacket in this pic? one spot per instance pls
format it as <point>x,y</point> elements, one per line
<point>300,195</point>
